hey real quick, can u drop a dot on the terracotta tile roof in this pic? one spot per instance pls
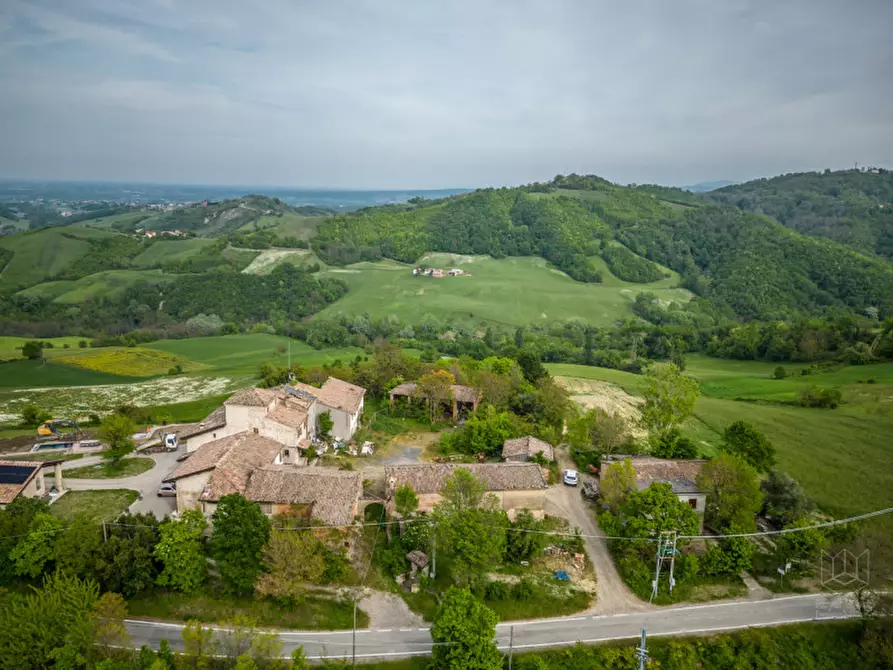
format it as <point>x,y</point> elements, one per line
<point>341,395</point>
<point>681,475</point>
<point>231,459</point>
<point>15,476</point>
<point>333,493</point>
<point>527,446</point>
<point>430,477</point>
<point>215,420</point>
<point>288,415</point>
<point>460,393</point>
<point>252,397</point>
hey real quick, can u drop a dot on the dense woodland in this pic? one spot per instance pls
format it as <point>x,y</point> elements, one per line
<point>852,207</point>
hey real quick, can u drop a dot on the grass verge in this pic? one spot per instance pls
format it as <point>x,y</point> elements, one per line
<point>313,613</point>
<point>107,470</point>
<point>94,505</point>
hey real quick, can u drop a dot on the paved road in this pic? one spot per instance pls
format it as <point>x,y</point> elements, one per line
<point>146,484</point>
<point>529,635</point>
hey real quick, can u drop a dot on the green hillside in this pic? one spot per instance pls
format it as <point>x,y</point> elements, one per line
<point>852,207</point>
<point>513,291</point>
<point>109,284</point>
<point>42,254</point>
<point>164,252</point>
<point>739,264</point>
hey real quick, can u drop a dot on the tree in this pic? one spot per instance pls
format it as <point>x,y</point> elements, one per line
<point>617,482</point>
<point>291,560</point>
<point>299,659</point>
<point>730,556</point>
<point>406,500</point>
<point>672,444</point>
<point>199,645</point>
<point>324,425</point>
<point>117,432</point>
<point>14,523</point>
<point>435,388</point>
<point>32,415</point>
<point>733,492</point>
<point>749,444</point>
<point>779,373</point>
<point>522,545</point>
<point>463,491</point>
<point>463,633</point>
<point>240,532</point>
<point>650,511</point>
<point>805,545</point>
<point>785,500</point>
<point>529,362</point>
<point>125,563</point>
<point>108,615</point>
<point>77,547</point>
<point>670,398</point>
<point>52,622</point>
<point>34,551</point>
<point>32,350</point>
<point>180,551</point>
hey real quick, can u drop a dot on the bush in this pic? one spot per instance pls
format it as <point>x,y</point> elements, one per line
<point>779,373</point>
<point>496,591</point>
<point>819,397</point>
<point>524,590</point>
<point>673,445</point>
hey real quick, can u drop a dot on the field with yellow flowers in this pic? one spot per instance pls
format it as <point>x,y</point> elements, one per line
<point>129,361</point>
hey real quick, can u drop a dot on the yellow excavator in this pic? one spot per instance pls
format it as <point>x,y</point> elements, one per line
<point>59,428</point>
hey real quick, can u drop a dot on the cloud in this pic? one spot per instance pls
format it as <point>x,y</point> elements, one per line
<point>385,93</point>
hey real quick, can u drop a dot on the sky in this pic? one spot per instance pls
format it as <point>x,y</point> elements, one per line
<point>437,94</point>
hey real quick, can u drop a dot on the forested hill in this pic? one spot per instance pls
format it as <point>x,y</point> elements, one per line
<point>740,264</point>
<point>852,207</point>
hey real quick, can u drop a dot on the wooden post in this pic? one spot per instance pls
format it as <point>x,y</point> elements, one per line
<point>455,409</point>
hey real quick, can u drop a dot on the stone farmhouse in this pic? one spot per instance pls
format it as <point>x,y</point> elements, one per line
<point>681,475</point>
<point>517,486</point>
<point>287,414</point>
<point>254,466</point>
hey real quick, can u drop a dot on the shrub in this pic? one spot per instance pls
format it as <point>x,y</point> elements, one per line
<point>779,373</point>
<point>496,591</point>
<point>524,590</point>
<point>819,397</point>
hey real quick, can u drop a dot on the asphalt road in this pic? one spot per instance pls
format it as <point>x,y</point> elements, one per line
<point>402,642</point>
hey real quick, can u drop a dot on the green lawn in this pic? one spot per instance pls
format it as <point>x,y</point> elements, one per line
<point>243,354</point>
<point>833,453</point>
<point>167,251</point>
<point>125,468</point>
<point>313,613</point>
<point>96,505</point>
<point>34,374</point>
<point>187,412</point>
<point>125,221</point>
<point>508,291</point>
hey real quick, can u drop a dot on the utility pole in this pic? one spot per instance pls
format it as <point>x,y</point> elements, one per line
<point>434,554</point>
<point>666,552</point>
<point>642,651</point>
<point>105,537</point>
<point>511,644</point>
<point>354,645</point>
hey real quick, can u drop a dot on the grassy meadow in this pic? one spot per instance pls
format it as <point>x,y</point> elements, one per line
<point>509,291</point>
<point>833,453</point>
<point>41,254</point>
<point>110,284</point>
<point>167,251</point>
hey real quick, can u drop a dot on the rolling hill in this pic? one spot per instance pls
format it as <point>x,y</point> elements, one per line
<point>852,207</point>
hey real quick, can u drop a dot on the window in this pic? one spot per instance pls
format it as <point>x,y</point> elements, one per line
<point>285,452</point>
<point>214,435</point>
<point>266,508</point>
<point>693,503</point>
<point>255,430</point>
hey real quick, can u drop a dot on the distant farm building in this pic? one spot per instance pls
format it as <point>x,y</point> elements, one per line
<point>462,397</point>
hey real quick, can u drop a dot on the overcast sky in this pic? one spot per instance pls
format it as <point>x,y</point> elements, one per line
<point>445,93</point>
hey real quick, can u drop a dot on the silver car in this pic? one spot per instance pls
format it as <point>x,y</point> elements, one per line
<point>167,490</point>
<point>571,478</point>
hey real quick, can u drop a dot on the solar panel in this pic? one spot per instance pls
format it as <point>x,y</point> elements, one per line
<point>15,474</point>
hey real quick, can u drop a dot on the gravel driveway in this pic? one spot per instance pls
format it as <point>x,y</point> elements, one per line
<point>612,595</point>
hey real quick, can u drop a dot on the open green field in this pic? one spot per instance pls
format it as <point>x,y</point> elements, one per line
<point>126,221</point>
<point>509,291</point>
<point>287,225</point>
<point>11,347</point>
<point>109,284</point>
<point>41,254</point>
<point>239,355</point>
<point>36,374</point>
<point>833,453</point>
<point>167,251</point>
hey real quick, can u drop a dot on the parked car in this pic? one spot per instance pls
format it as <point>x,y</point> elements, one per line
<point>167,490</point>
<point>170,441</point>
<point>571,477</point>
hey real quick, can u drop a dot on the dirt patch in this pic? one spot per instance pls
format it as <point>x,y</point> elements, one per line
<point>590,394</point>
<point>269,259</point>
